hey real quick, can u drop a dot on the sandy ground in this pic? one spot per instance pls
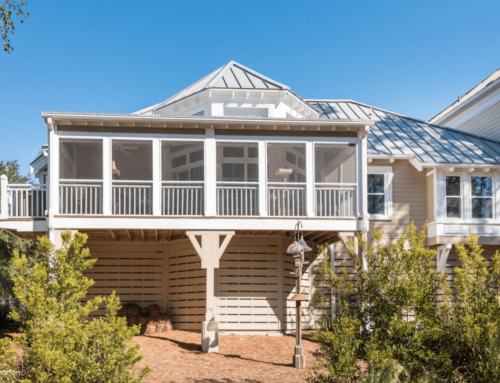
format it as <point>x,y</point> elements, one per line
<point>176,357</point>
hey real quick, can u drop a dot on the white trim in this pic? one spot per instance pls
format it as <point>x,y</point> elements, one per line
<point>106,176</point>
<point>262,178</point>
<point>310,193</point>
<point>210,173</point>
<point>388,184</point>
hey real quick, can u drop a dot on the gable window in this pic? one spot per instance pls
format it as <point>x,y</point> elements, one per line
<point>380,192</point>
<point>453,197</point>
<point>246,112</point>
<point>482,197</point>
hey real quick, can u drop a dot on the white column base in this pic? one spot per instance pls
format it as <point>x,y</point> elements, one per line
<point>299,360</point>
<point>210,336</point>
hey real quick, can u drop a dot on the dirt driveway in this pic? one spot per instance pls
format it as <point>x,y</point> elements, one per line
<point>176,357</point>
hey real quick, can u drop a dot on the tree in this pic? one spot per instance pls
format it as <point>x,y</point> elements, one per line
<point>8,8</point>
<point>11,170</point>
<point>58,341</point>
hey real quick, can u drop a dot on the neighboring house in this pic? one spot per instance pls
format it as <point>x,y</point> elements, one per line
<point>225,169</point>
<point>476,112</point>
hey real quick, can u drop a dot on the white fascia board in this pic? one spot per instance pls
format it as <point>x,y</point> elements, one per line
<point>461,166</point>
<point>39,164</point>
<point>25,226</point>
<point>200,119</point>
<point>390,156</point>
<point>208,223</point>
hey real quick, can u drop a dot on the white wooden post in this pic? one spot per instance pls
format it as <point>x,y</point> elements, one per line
<point>310,211</point>
<point>53,172</point>
<point>4,202</point>
<point>106,176</point>
<point>363,179</point>
<point>262,179</point>
<point>210,253</point>
<point>443,252</point>
<point>157,208</point>
<point>210,174</point>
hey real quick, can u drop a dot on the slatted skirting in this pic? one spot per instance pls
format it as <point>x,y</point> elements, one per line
<point>134,270</point>
<point>247,284</point>
<point>186,286</point>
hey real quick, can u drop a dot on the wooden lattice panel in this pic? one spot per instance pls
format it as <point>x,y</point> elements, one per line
<point>187,286</point>
<point>248,284</point>
<point>133,270</point>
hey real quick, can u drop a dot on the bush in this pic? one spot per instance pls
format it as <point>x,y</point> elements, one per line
<point>59,343</point>
<point>398,316</point>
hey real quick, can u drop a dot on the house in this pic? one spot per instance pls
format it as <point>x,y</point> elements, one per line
<point>192,203</point>
<point>477,112</point>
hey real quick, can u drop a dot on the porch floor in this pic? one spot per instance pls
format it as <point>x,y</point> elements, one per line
<point>176,357</point>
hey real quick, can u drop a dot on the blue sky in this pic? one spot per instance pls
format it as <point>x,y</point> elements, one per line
<point>410,57</point>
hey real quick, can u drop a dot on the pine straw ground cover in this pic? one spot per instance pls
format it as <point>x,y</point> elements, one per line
<point>176,357</point>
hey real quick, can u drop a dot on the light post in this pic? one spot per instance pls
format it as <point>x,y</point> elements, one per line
<point>297,249</point>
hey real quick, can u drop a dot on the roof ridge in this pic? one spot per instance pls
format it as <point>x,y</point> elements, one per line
<point>410,118</point>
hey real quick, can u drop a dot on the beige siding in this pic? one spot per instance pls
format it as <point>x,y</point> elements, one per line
<point>409,198</point>
<point>430,198</point>
<point>486,123</point>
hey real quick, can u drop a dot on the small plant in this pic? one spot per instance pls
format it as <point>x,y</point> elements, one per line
<point>59,343</point>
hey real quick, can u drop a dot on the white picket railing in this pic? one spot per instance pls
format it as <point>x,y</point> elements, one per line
<point>183,200</point>
<point>132,199</point>
<point>237,200</point>
<point>26,201</point>
<point>80,199</point>
<point>286,201</point>
<point>336,201</point>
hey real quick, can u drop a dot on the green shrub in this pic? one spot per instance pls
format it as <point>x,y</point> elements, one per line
<point>405,321</point>
<point>59,343</point>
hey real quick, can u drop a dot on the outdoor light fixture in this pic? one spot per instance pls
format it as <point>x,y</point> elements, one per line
<point>297,249</point>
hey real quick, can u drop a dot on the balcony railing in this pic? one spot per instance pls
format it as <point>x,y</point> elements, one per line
<point>286,201</point>
<point>26,201</point>
<point>80,199</point>
<point>237,200</point>
<point>183,200</point>
<point>335,201</point>
<point>132,199</point>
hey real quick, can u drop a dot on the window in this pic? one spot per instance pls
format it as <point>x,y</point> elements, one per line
<point>246,112</point>
<point>132,160</point>
<point>379,185</point>
<point>453,197</point>
<point>286,162</point>
<point>182,161</point>
<point>237,162</point>
<point>80,159</point>
<point>482,197</point>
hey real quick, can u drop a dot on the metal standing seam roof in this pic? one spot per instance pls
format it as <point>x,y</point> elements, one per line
<point>230,76</point>
<point>394,134</point>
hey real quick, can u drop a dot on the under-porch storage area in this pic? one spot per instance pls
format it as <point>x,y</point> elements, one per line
<point>252,284</point>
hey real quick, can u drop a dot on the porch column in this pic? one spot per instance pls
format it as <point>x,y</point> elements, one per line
<point>4,202</point>
<point>210,253</point>
<point>210,173</point>
<point>106,176</point>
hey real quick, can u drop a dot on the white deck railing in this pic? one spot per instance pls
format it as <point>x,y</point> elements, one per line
<point>286,201</point>
<point>26,201</point>
<point>80,199</point>
<point>336,201</point>
<point>238,200</point>
<point>132,199</point>
<point>183,200</point>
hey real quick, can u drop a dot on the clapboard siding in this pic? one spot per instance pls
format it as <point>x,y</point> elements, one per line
<point>247,284</point>
<point>409,199</point>
<point>430,198</point>
<point>186,286</point>
<point>135,271</point>
<point>486,123</point>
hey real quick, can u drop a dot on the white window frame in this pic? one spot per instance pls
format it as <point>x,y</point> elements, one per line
<point>388,177</point>
<point>493,192</point>
<point>461,196</point>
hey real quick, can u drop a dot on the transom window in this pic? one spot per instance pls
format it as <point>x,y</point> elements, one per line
<point>453,197</point>
<point>482,197</point>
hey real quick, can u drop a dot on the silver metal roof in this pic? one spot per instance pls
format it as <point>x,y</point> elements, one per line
<point>396,135</point>
<point>231,76</point>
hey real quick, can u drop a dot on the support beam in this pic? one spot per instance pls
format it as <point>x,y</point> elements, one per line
<point>129,235</point>
<point>210,253</point>
<point>443,252</point>
<point>4,201</point>
<point>113,234</point>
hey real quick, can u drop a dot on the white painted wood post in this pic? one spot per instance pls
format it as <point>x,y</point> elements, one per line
<point>4,202</point>
<point>53,172</point>
<point>310,211</point>
<point>157,208</point>
<point>210,173</point>
<point>443,252</point>
<point>106,176</point>
<point>262,179</point>
<point>363,179</point>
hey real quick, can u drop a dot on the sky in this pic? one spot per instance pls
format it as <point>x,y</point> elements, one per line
<point>409,57</point>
